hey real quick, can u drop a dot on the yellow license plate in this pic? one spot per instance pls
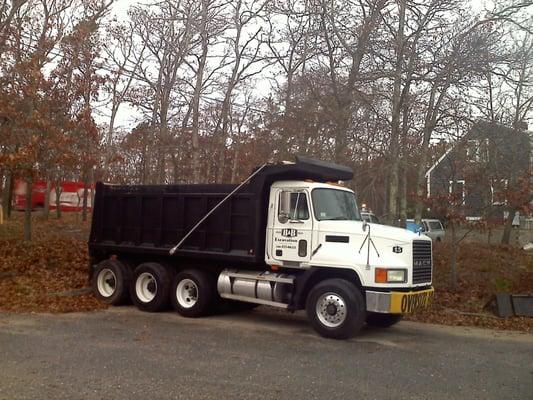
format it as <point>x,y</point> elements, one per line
<point>409,302</point>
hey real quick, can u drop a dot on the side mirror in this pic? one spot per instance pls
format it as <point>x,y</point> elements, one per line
<point>283,218</point>
<point>365,225</point>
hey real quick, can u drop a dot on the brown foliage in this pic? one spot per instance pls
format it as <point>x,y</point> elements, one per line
<point>482,272</point>
<point>48,274</point>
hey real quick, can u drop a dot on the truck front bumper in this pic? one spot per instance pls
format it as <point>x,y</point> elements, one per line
<point>399,302</point>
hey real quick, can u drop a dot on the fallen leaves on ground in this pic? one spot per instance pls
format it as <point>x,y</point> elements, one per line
<point>483,270</point>
<point>49,273</point>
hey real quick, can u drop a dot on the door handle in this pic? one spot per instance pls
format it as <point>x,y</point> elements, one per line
<point>295,221</point>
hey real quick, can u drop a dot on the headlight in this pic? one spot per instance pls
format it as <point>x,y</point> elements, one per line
<point>384,275</point>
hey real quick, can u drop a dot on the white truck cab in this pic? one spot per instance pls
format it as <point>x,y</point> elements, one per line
<point>318,225</point>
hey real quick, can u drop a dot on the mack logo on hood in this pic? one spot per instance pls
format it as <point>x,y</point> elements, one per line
<point>289,232</point>
<point>422,263</point>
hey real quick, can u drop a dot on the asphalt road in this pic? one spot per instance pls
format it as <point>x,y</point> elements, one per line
<point>123,353</point>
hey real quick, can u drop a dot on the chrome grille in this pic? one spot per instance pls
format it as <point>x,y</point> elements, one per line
<point>422,261</point>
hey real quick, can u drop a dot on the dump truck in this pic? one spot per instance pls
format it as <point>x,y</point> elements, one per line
<point>290,236</point>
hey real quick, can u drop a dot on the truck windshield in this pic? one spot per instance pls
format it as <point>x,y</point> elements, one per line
<point>332,204</point>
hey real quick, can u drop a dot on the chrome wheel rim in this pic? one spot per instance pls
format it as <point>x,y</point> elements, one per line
<point>106,282</point>
<point>331,310</point>
<point>187,293</point>
<point>146,287</point>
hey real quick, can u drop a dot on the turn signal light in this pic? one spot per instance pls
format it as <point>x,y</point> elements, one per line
<point>381,275</point>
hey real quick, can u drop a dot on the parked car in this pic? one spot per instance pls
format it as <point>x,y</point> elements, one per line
<point>413,226</point>
<point>369,216</point>
<point>430,227</point>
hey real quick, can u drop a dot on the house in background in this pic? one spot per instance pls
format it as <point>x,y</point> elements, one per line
<point>479,169</point>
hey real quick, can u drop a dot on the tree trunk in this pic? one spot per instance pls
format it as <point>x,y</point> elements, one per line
<point>394,150</point>
<point>453,261</point>
<point>27,209</point>
<point>224,137</point>
<point>393,194</point>
<point>175,168</point>
<point>208,173</point>
<point>403,197</point>
<point>235,165</point>
<point>46,211</point>
<point>197,92</point>
<point>385,196</point>
<point>7,195</point>
<point>91,189</point>
<point>506,237</point>
<point>144,164</point>
<point>162,149</point>
<point>85,197</point>
<point>109,141</point>
<point>58,199</point>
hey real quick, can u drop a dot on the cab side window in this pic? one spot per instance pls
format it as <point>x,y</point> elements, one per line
<point>292,206</point>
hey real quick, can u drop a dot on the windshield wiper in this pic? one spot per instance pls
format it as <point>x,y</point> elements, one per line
<point>335,219</point>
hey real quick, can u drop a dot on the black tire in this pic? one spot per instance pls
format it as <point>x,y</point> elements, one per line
<point>150,287</point>
<point>352,302</point>
<point>382,320</point>
<point>110,282</point>
<point>197,291</point>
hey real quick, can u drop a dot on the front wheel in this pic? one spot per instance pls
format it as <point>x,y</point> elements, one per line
<point>382,320</point>
<point>336,309</point>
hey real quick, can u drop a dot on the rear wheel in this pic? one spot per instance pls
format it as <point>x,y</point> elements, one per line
<point>336,308</point>
<point>382,320</point>
<point>192,293</point>
<point>110,282</point>
<point>150,287</point>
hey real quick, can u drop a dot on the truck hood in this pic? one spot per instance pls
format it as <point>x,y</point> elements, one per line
<point>376,230</point>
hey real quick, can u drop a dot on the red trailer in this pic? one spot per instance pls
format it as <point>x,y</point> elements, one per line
<point>71,198</point>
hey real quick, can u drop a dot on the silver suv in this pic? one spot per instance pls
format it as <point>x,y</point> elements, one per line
<point>369,216</point>
<point>432,228</point>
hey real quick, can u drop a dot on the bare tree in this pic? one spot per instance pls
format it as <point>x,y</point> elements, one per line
<point>167,31</point>
<point>247,61</point>
<point>122,67</point>
<point>211,24</point>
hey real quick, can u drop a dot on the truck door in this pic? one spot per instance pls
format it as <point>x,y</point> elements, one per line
<point>293,226</point>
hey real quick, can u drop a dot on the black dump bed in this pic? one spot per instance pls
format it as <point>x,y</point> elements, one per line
<point>151,219</point>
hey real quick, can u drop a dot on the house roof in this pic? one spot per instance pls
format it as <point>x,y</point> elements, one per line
<point>481,129</point>
<point>439,161</point>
